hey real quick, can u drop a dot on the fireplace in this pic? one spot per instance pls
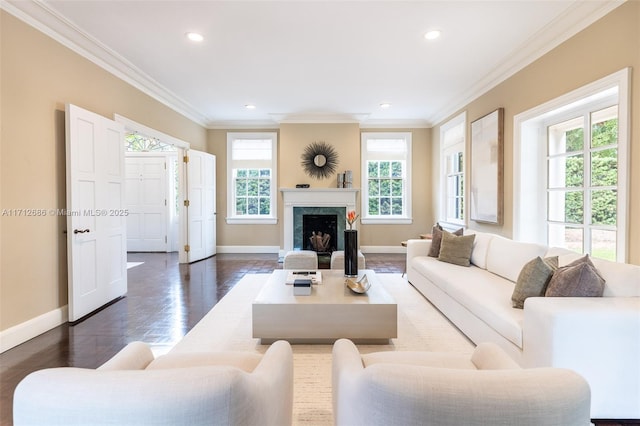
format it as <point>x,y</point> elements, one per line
<point>318,229</point>
<point>319,232</point>
<point>314,201</point>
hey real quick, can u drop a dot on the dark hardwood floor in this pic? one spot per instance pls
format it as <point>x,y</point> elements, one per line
<point>164,301</point>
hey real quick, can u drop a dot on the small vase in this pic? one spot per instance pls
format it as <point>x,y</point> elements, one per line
<point>350,253</point>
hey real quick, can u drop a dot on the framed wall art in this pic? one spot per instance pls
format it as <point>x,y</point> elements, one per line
<point>487,135</point>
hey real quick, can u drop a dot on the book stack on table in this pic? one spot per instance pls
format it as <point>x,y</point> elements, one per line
<point>302,287</point>
<point>314,276</point>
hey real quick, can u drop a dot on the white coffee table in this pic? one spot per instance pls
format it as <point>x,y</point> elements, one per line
<point>332,311</point>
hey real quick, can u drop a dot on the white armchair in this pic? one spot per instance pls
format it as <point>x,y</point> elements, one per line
<point>214,388</point>
<point>428,388</point>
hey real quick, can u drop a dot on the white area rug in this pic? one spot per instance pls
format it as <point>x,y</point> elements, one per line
<point>133,264</point>
<point>228,327</point>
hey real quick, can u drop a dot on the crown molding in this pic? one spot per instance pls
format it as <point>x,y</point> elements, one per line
<point>308,118</point>
<point>37,14</point>
<point>396,124</point>
<point>243,125</point>
<point>323,119</point>
<point>48,21</point>
<point>361,119</point>
<point>575,18</point>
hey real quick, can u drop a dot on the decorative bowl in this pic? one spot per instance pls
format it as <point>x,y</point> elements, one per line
<point>360,286</point>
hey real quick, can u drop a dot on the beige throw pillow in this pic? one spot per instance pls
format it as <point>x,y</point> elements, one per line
<point>577,279</point>
<point>456,249</point>
<point>533,280</point>
<point>436,239</point>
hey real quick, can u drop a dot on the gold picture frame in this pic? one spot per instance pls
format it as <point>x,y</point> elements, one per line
<point>487,165</point>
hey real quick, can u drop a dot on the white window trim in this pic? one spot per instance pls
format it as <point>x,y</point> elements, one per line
<point>272,219</point>
<point>527,131</point>
<point>454,122</point>
<point>407,219</point>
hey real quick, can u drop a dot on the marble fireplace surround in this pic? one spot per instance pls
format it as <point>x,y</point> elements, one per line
<point>313,197</point>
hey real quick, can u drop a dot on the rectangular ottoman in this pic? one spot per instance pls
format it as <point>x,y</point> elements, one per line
<point>337,260</point>
<point>301,259</point>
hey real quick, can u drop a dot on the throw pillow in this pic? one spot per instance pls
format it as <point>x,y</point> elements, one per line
<point>584,259</point>
<point>533,280</point>
<point>578,279</point>
<point>436,239</point>
<point>456,249</point>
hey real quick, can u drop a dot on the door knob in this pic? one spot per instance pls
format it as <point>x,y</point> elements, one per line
<point>80,231</point>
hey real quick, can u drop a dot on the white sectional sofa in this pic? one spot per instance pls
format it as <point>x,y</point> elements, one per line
<point>598,337</point>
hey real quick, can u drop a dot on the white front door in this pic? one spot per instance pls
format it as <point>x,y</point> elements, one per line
<point>96,230</point>
<point>201,210</point>
<point>146,203</point>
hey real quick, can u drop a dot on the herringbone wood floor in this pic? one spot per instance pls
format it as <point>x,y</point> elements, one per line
<point>165,300</point>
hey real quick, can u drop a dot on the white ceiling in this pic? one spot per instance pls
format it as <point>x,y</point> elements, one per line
<point>312,61</point>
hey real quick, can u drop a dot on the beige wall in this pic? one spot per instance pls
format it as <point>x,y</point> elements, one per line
<point>345,138</point>
<point>294,138</point>
<point>38,77</point>
<point>605,47</point>
<point>234,235</point>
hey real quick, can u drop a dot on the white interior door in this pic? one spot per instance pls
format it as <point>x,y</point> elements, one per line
<point>146,201</point>
<point>201,210</point>
<point>96,230</point>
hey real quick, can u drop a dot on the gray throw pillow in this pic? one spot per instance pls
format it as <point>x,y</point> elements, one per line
<point>456,249</point>
<point>533,280</point>
<point>577,279</point>
<point>436,239</point>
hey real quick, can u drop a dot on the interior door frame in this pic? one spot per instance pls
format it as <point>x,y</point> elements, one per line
<point>181,147</point>
<point>168,157</point>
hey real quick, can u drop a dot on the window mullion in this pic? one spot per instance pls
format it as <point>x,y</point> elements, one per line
<point>588,187</point>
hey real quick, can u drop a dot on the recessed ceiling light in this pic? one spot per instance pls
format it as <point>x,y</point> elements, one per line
<point>385,105</point>
<point>195,37</point>
<point>432,35</point>
<point>250,106</point>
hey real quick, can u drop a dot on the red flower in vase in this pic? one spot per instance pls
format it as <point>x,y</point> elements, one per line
<point>351,217</point>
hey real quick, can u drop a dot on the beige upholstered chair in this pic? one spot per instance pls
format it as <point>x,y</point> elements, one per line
<point>213,388</point>
<point>427,388</point>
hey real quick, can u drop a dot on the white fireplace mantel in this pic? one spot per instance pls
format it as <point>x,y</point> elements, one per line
<point>313,197</point>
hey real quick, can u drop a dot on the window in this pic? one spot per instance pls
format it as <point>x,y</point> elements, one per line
<point>251,173</point>
<point>582,182</point>
<point>452,154</point>
<point>136,142</point>
<point>571,170</point>
<point>386,167</point>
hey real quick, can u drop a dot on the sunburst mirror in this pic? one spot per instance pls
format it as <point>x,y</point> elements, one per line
<point>319,160</point>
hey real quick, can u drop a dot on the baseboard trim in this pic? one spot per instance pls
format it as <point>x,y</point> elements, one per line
<point>372,249</point>
<point>27,330</point>
<point>383,249</point>
<point>247,249</point>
